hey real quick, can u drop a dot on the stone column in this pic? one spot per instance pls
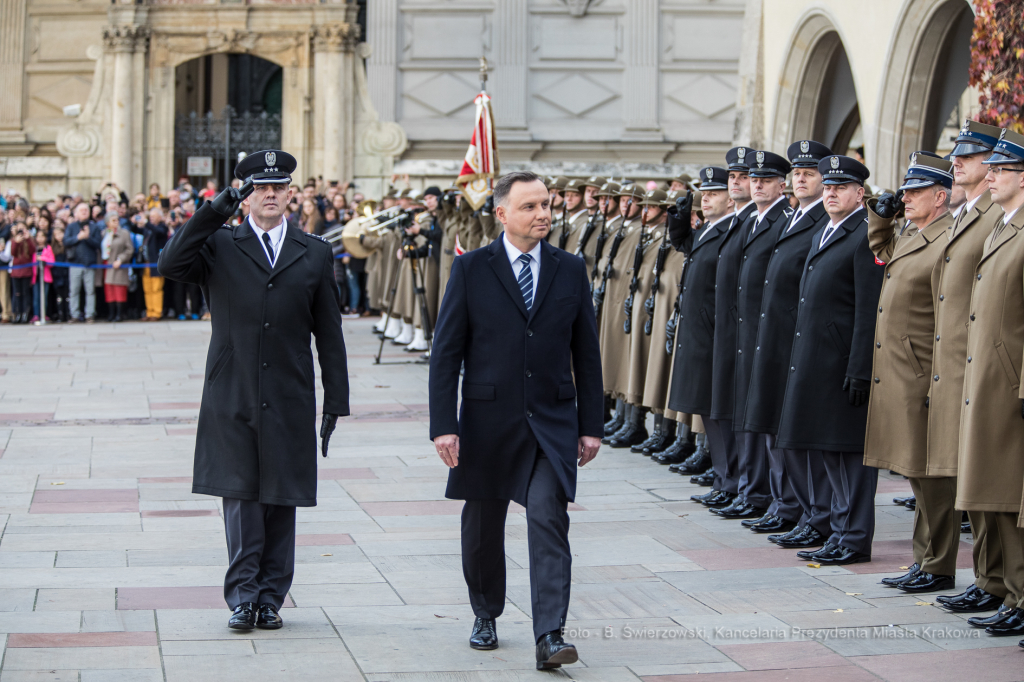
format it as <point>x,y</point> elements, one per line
<point>12,58</point>
<point>328,42</point>
<point>510,72</point>
<point>640,78</point>
<point>120,41</point>
<point>381,67</point>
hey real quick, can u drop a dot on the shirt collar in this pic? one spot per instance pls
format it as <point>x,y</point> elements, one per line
<point>832,226</point>
<point>276,233</point>
<point>804,211</point>
<point>760,216</point>
<point>514,253</point>
<point>707,228</point>
<point>1009,216</point>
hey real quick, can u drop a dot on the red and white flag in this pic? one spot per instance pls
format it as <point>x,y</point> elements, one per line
<point>481,162</point>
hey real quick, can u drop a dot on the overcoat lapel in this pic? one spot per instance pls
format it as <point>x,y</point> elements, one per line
<point>806,222</point>
<point>503,269</point>
<point>293,247</point>
<point>548,266</point>
<point>246,240</point>
<point>992,245</point>
<point>848,226</point>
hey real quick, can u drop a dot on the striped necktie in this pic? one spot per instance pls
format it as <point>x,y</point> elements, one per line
<point>526,280</point>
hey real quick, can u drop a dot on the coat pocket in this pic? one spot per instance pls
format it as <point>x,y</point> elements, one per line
<point>1007,363</point>
<point>478,391</point>
<point>708,324</point>
<point>908,348</point>
<point>566,300</point>
<point>837,339</point>
<point>306,363</point>
<point>218,364</point>
<point>566,391</point>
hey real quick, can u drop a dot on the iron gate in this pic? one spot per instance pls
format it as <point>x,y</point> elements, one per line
<point>223,138</point>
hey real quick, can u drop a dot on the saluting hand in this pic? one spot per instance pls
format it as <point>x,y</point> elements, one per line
<point>447,447</point>
<point>228,201</point>
<point>587,449</point>
<point>889,206</point>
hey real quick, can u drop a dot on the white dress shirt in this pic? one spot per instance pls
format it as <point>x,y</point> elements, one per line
<point>831,229</point>
<point>761,215</point>
<point>276,238</point>
<point>514,253</point>
<point>1007,217</point>
<point>800,213</point>
<point>708,228</point>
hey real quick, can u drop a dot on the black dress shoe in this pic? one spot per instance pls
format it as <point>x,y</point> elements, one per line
<point>965,528</point>
<point>974,600</point>
<point>707,479</point>
<point>928,582</point>
<point>485,634</point>
<point>843,556</point>
<point>795,532</point>
<point>747,523</point>
<point>1012,624</point>
<point>637,433</point>
<point>901,501</point>
<point>747,511</point>
<point>736,502</point>
<point>244,617</point>
<point>911,503</point>
<point>997,617</point>
<point>810,554</point>
<point>267,618</point>
<point>806,540</point>
<point>777,524</point>
<point>554,652</point>
<point>704,497</point>
<point>893,581</point>
<point>718,499</point>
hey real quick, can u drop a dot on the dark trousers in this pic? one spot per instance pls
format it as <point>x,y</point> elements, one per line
<point>936,524</point>
<point>194,295</point>
<point>809,483</point>
<point>784,503</point>
<point>722,443</point>
<point>987,552</point>
<point>753,466</point>
<point>853,498</point>
<point>547,525</point>
<point>261,552</point>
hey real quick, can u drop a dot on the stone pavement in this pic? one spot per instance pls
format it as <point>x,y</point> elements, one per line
<point>110,569</point>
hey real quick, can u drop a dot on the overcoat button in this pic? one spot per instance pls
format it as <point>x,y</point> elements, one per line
<point>265,365</point>
<point>264,406</point>
<point>266,325</point>
<point>877,380</point>
<point>270,286</point>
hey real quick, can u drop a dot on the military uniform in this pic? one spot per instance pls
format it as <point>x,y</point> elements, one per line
<point>583,227</point>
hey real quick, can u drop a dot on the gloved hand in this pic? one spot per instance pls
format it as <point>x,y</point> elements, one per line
<point>928,402</point>
<point>889,206</point>
<point>326,429</point>
<point>489,204</point>
<point>228,201</point>
<point>684,204</point>
<point>857,390</point>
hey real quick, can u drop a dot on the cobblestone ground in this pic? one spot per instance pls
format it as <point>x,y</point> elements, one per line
<point>110,569</point>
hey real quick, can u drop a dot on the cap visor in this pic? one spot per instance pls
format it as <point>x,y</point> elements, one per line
<point>967,148</point>
<point>916,183</point>
<point>272,181</point>
<point>711,186</point>
<point>998,158</point>
<point>765,173</point>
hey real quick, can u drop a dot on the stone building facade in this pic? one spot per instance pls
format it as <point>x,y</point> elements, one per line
<point>95,89</point>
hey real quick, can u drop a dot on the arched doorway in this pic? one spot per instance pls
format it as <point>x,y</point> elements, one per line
<point>924,84</point>
<point>817,98</point>
<point>225,104</point>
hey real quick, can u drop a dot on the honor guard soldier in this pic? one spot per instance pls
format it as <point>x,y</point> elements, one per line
<point>954,277</point>
<point>269,287</point>
<point>898,409</point>
<point>730,255</point>
<point>824,411</point>
<point>572,215</point>
<point>584,226</point>
<point>768,173</point>
<point>991,465</point>
<point>800,489</point>
<point>606,223</point>
<point>690,391</point>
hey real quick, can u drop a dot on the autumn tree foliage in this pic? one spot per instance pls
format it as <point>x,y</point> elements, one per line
<point>997,58</point>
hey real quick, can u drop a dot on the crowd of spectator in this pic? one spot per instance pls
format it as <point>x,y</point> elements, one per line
<point>80,259</point>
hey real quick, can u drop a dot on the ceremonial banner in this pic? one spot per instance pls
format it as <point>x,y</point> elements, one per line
<point>481,162</point>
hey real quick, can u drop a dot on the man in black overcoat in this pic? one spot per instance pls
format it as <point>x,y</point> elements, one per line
<point>268,286</point>
<point>730,255</point>
<point>825,408</point>
<point>800,489</point>
<point>518,315</point>
<point>767,183</point>
<point>690,392</point>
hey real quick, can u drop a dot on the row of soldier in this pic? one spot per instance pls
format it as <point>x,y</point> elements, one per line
<point>788,351</point>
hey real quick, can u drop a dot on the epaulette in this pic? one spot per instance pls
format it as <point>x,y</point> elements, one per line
<point>316,236</point>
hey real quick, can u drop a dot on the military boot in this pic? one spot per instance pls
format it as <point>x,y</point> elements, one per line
<point>668,436</point>
<point>656,435</point>
<point>618,419</point>
<point>635,431</point>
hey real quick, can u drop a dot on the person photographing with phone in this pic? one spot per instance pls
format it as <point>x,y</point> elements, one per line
<point>269,287</point>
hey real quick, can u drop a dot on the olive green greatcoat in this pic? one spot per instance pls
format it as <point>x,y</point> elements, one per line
<point>991,463</point>
<point>640,343</point>
<point>896,435</point>
<point>951,283</point>
<point>659,361</point>
<point>614,342</point>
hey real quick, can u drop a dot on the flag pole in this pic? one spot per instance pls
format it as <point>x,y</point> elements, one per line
<point>483,89</point>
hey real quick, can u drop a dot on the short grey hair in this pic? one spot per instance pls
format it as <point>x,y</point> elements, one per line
<point>505,182</point>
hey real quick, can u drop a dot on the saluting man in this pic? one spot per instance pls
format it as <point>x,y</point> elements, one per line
<point>269,287</point>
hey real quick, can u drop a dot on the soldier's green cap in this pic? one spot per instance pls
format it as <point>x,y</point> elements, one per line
<point>654,197</point>
<point>608,189</point>
<point>558,183</point>
<point>595,181</point>
<point>575,185</point>
<point>635,191</point>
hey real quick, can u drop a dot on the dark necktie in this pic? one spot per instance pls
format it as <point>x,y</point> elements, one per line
<point>270,248</point>
<point>526,280</point>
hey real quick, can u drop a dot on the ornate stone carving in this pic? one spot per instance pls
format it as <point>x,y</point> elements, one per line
<point>336,37</point>
<point>126,38</point>
<point>286,48</point>
<point>383,138</point>
<point>78,141</point>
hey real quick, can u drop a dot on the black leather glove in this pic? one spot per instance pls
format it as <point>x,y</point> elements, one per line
<point>684,204</point>
<point>228,201</point>
<point>489,204</point>
<point>857,390</point>
<point>928,402</point>
<point>889,206</point>
<point>326,429</point>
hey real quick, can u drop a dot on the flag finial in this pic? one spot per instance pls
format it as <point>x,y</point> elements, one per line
<point>483,73</point>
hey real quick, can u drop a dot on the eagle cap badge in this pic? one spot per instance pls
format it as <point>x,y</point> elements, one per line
<point>913,159</point>
<point>270,158</point>
<point>760,157</point>
<point>709,173</point>
<point>835,163</point>
<point>741,152</point>
<point>805,146</point>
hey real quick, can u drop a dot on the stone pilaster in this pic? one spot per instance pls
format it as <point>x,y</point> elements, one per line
<point>382,28</point>
<point>510,68</point>
<point>333,45</point>
<point>122,42</point>
<point>640,78</point>
<point>12,57</point>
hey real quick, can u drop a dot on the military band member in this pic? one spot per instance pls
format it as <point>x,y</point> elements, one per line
<point>730,251</point>
<point>825,410</point>
<point>991,461</point>
<point>897,426</point>
<point>953,279</point>
<point>767,181</point>
<point>800,488</point>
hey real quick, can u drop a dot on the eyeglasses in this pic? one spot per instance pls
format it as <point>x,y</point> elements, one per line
<point>996,170</point>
